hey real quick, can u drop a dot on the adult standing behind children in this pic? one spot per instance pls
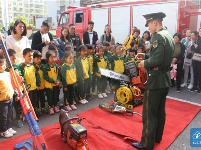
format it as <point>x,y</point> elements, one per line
<point>188,67</point>
<point>18,40</point>
<point>196,49</point>
<point>107,36</point>
<point>178,58</point>
<point>90,36</point>
<point>74,37</point>
<point>145,37</point>
<point>42,39</point>
<point>64,38</point>
<point>186,39</point>
<point>133,36</point>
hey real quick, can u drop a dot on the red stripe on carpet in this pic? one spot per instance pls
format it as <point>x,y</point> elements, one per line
<point>107,131</point>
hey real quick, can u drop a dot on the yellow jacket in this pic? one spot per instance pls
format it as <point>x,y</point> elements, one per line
<point>127,42</point>
<point>6,89</point>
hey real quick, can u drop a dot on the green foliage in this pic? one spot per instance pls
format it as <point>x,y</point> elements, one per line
<point>24,19</point>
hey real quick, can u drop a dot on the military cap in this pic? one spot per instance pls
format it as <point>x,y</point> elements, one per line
<point>152,16</point>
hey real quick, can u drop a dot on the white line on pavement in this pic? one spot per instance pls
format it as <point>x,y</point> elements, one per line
<point>182,100</point>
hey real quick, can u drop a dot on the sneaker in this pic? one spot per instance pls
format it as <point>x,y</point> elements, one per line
<point>74,102</point>
<point>67,108</point>
<point>190,86</point>
<point>104,94</point>
<point>82,101</point>
<point>51,111</point>
<point>60,104</point>
<point>6,134</point>
<point>194,89</point>
<point>100,95</point>
<point>56,109</point>
<point>73,107</point>
<point>45,110</point>
<point>178,91</point>
<point>19,124</point>
<point>85,100</point>
<point>184,85</point>
<point>12,131</point>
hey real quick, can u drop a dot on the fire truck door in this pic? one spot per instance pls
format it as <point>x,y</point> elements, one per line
<point>79,22</point>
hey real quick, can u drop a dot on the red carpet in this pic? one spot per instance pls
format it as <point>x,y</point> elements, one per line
<point>108,131</point>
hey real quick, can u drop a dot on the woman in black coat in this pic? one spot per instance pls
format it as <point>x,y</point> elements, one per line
<point>196,49</point>
<point>178,58</point>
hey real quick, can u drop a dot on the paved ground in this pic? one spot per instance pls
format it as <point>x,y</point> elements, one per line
<point>181,143</point>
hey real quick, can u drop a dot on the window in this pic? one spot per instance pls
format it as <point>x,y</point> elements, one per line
<point>78,17</point>
<point>64,19</point>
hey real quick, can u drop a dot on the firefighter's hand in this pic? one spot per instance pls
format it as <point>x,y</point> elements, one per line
<point>38,88</point>
<point>65,89</point>
<point>142,63</point>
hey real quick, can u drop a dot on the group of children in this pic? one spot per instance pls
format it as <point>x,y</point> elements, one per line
<point>76,69</point>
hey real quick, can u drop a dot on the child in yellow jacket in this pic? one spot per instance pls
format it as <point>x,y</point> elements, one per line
<point>52,81</point>
<point>69,79</point>
<point>6,94</point>
<point>41,91</point>
<point>31,76</point>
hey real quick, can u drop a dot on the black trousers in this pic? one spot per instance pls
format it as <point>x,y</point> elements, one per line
<point>197,73</point>
<point>179,74</point>
<point>88,88</point>
<point>101,84</point>
<point>33,98</point>
<point>17,107</point>
<point>40,98</point>
<point>52,95</point>
<point>69,94</point>
<point>82,88</point>
<point>153,116</point>
<point>93,83</point>
<point>5,114</point>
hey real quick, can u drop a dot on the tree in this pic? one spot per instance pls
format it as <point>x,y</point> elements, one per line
<point>24,19</point>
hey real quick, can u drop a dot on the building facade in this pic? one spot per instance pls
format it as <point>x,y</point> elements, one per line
<point>31,9</point>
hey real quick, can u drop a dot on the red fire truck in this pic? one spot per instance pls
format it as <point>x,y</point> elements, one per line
<point>122,16</point>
